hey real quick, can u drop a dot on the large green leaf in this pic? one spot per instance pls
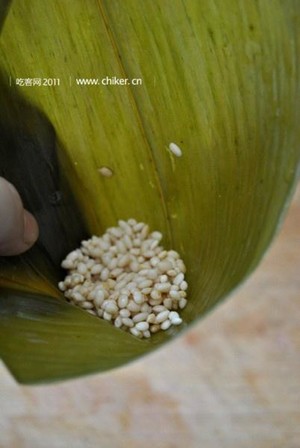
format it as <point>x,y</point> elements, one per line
<point>221,79</point>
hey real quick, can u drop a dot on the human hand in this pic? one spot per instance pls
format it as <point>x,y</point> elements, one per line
<point>18,228</point>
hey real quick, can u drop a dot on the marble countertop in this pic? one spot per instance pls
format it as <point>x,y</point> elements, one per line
<point>232,381</point>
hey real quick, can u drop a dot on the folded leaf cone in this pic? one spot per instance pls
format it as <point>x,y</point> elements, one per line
<point>220,79</point>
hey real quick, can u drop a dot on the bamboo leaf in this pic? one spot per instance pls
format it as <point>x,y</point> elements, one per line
<point>220,79</point>
<point>43,338</point>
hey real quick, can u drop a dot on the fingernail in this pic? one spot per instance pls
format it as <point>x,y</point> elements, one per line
<point>31,230</point>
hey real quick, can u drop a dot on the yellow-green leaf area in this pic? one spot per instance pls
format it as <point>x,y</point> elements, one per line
<point>221,80</point>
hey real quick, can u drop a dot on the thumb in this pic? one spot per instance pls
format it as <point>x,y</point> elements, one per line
<point>18,228</point>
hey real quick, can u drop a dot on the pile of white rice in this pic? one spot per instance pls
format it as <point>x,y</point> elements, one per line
<point>127,278</point>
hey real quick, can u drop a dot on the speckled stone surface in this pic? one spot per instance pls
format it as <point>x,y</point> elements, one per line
<point>232,381</point>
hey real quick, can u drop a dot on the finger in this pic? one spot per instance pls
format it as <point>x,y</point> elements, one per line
<point>18,228</point>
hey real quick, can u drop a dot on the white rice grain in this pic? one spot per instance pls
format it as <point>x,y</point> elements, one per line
<point>105,171</point>
<point>175,149</point>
